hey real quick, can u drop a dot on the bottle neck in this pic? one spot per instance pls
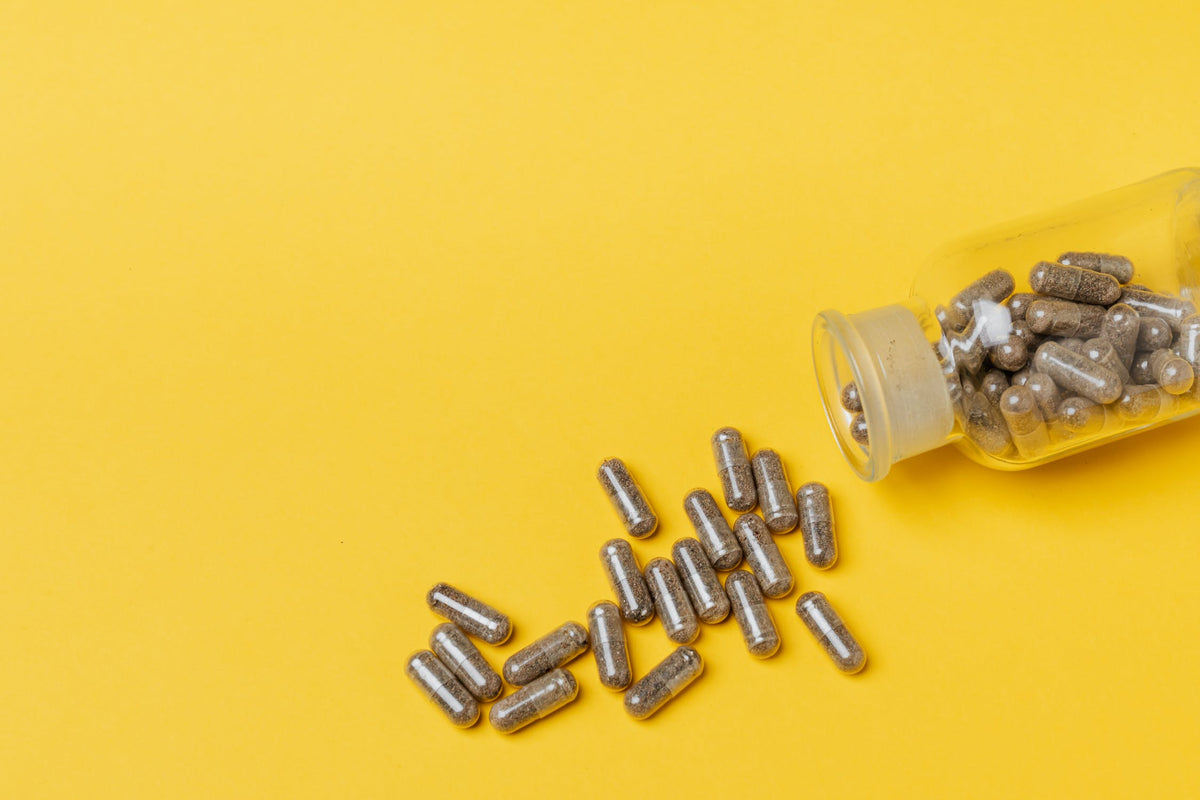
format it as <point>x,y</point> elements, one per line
<point>889,356</point>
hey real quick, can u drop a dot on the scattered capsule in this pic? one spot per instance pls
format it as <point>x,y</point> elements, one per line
<point>984,425</point>
<point>763,556</point>
<point>994,286</point>
<point>473,616</point>
<point>1103,353</point>
<point>774,495</point>
<point>832,634</point>
<point>850,399</point>
<point>439,685</point>
<point>712,529</point>
<point>675,611</point>
<point>1025,421</point>
<point>1151,304</point>
<point>1018,304</point>
<point>1045,392</point>
<point>993,384</point>
<point>663,683</point>
<point>816,524</point>
<point>627,582</point>
<point>1171,372</point>
<point>627,498</point>
<point>456,651</point>
<point>1154,334</point>
<point>549,652</point>
<point>1188,346</point>
<point>1121,327</point>
<point>700,581</point>
<point>1064,318</point>
<point>1011,354</point>
<point>1119,267</point>
<point>858,430</point>
<point>1077,374</point>
<point>607,637</point>
<point>534,701</point>
<point>733,467</point>
<point>1074,283</point>
<point>753,617</point>
<point>1081,415</point>
<point>1141,403</point>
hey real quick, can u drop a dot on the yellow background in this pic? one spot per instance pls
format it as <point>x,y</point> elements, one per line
<point>307,306</point>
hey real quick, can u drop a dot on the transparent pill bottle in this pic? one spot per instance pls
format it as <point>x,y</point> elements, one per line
<point>916,366</point>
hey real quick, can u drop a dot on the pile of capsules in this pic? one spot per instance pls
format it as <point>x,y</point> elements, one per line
<point>683,592</point>
<point>1085,350</point>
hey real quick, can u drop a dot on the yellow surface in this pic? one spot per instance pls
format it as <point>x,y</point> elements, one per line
<point>308,306</point>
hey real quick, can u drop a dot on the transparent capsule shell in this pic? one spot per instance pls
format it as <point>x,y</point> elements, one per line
<point>548,652</point>
<point>627,581</point>
<point>712,529</point>
<point>817,525</point>
<point>763,556</point>
<point>663,683</point>
<point>774,495</point>
<point>830,632</point>
<point>700,581</point>
<point>733,468</point>
<point>473,616</point>
<point>610,648</point>
<point>671,602</point>
<point>535,701</point>
<point>456,651</point>
<point>752,615</point>
<point>440,687</point>
<point>627,498</point>
<point>1077,373</point>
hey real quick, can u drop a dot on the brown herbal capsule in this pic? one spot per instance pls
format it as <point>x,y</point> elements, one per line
<point>473,616</point>
<point>1064,318</point>
<point>1018,304</point>
<point>1022,329</point>
<point>1121,327</point>
<point>994,286</point>
<point>1021,376</point>
<point>1073,343</point>
<point>1010,355</point>
<point>858,430</point>
<point>1046,393</point>
<point>712,530</point>
<point>1153,334</point>
<point>536,701</point>
<point>701,583</point>
<point>675,611</point>
<point>1151,304</point>
<point>831,633</point>
<point>606,634</point>
<point>1073,283</point>
<point>763,556</point>
<point>750,610</point>
<point>943,317</point>
<point>816,523</point>
<point>627,498</point>
<point>965,350</point>
<point>457,652</point>
<point>733,467</point>
<point>441,688</point>
<point>663,683</point>
<point>1188,346</point>
<point>1171,372</point>
<point>551,651</point>
<point>993,385</point>
<point>1025,421</point>
<point>774,495</point>
<point>628,583</point>
<point>1119,267</point>
<point>1142,403</point>
<point>1081,415</point>
<point>984,425</point>
<point>1077,373</point>
<point>1139,371</point>
<point>850,399</point>
<point>1103,353</point>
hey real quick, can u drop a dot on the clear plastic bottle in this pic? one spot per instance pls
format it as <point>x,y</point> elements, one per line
<point>916,365</point>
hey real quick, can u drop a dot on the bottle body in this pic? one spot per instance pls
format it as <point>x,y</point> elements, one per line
<point>1030,341</point>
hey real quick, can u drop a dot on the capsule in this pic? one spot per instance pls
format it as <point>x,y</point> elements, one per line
<point>1011,354</point>
<point>1045,392</point>
<point>1081,415</point>
<point>965,350</point>
<point>858,430</point>
<point>1121,326</point>
<point>1140,372</point>
<point>1018,304</point>
<point>943,317</point>
<point>763,556</point>
<point>1188,346</point>
<point>700,581</point>
<point>1021,376</point>
<point>1077,374</point>
<point>1074,283</point>
<point>675,611</point>
<point>993,384</point>
<point>473,616</point>
<point>535,701</point>
<point>851,401</point>
<point>1171,372</point>
<point>733,467</point>
<point>1022,329</point>
<point>825,624</point>
<point>994,286</point>
<point>627,582</point>
<point>984,425</point>
<point>1151,304</point>
<point>627,498</point>
<point>1119,267</point>
<point>607,637</point>
<point>753,618</point>
<point>1154,334</point>
<point>816,523</point>
<point>456,651</point>
<point>1064,318</point>
<point>1073,343</point>
<point>774,495</point>
<point>663,683</point>
<point>441,688</point>
<point>712,529</point>
<point>1141,403</point>
<point>1103,353</point>
<point>1025,421</point>
<point>546,653</point>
